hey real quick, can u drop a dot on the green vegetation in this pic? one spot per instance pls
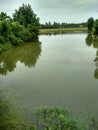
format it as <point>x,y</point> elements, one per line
<point>57,119</point>
<point>47,118</point>
<point>23,27</point>
<point>26,17</point>
<point>10,119</point>
<point>62,30</point>
<point>43,118</point>
<point>92,26</point>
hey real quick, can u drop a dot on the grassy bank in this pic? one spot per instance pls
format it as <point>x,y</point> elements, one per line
<point>62,30</point>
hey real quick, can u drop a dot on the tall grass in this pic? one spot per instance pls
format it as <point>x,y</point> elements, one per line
<point>10,117</point>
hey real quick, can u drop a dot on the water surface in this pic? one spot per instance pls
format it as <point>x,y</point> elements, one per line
<point>61,71</point>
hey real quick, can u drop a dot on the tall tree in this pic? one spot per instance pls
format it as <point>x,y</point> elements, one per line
<point>90,24</point>
<point>25,15</point>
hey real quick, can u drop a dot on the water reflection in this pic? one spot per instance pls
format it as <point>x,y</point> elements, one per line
<point>89,40</point>
<point>93,40</point>
<point>27,54</point>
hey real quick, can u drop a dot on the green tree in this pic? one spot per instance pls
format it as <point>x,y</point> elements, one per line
<point>26,17</point>
<point>5,31</point>
<point>55,25</point>
<point>5,28</point>
<point>3,16</point>
<point>90,24</point>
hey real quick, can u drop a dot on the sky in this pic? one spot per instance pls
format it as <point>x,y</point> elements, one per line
<point>68,11</point>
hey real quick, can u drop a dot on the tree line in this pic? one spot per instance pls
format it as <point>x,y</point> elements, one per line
<point>22,27</point>
<point>49,25</point>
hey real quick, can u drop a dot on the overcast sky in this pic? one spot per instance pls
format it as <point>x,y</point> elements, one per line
<point>70,11</point>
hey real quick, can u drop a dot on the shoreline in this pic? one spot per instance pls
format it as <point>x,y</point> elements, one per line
<point>62,30</point>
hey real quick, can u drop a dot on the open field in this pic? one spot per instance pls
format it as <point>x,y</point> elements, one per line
<point>62,30</point>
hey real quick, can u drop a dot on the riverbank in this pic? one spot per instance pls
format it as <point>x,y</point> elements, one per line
<point>62,30</point>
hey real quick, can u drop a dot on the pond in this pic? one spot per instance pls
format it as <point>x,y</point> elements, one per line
<point>61,71</point>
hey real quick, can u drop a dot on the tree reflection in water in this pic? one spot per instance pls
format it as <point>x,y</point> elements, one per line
<point>93,40</point>
<point>27,54</point>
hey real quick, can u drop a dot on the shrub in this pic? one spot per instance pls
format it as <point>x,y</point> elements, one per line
<point>57,119</point>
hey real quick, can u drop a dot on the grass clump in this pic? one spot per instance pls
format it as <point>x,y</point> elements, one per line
<point>10,116</point>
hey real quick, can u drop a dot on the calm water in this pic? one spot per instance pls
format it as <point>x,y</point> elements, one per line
<point>61,71</point>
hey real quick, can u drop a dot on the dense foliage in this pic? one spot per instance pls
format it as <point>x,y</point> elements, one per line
<point>57,119</point>
<point>92,26</point>
<point>22,28</point>
<point>26,17</point>
<point>48,118</point>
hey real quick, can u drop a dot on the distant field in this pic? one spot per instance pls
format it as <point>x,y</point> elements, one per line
<point>62,30</point>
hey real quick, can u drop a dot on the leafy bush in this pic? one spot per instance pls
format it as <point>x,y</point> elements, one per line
<point>57,119</point>
<point>15,40</point>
